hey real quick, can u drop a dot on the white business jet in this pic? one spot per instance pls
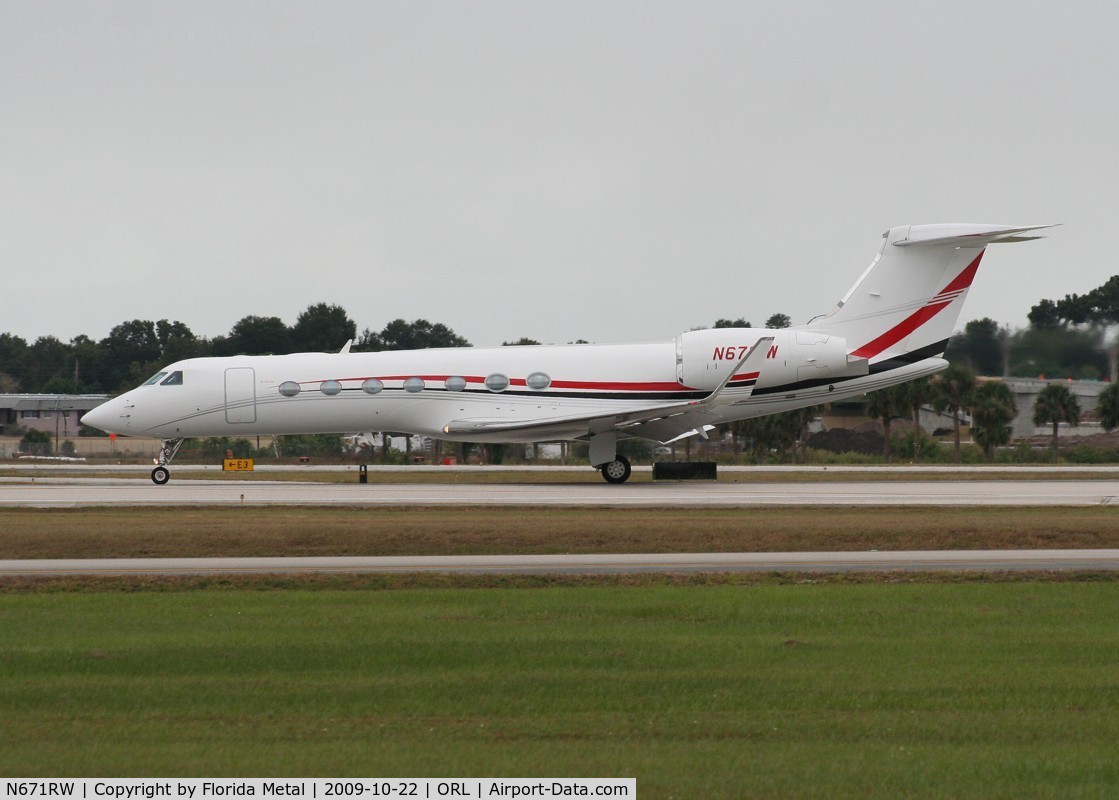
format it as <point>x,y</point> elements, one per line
<point>891,326</point>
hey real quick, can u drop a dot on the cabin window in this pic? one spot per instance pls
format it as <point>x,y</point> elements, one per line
<point>414,385</point>
<point>174,379</point>
<point>497,382</point>
<point>154,379</point>
<point>289,388</point>
<point>455,383</point>
<point>538,381</point>
<point>372,386</point>
<point>330,387</point>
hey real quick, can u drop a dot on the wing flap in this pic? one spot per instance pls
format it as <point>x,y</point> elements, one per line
<point>668,429</point>
<point>617,416</point>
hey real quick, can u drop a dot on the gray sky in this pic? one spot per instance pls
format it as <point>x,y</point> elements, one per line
<point>613,171</point>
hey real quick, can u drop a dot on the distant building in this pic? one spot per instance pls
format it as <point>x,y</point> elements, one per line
<point>1026,390</point>
<point>851,413</point>
<point>57,414</point>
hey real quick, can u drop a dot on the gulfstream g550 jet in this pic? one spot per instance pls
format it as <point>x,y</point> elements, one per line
<point>891,326</point>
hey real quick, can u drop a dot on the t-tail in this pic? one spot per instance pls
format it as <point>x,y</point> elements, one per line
<point>905,305</point>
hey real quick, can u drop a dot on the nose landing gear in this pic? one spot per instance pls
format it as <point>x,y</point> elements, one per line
<point>167,450</point>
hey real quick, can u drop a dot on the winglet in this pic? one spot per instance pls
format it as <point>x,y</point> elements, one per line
<point>739,383</point>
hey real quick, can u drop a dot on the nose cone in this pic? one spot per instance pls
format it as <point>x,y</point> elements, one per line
<point>105,417</point>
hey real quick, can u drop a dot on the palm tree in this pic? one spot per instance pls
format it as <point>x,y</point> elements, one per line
<point>1109,407</point>
<point>1054,405</point>
<point>953,392</point>
<point>992,409</point>
<point>886,405</point>
<point>916,394</point>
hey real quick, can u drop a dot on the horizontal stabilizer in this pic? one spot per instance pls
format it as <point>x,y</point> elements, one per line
<point>967,235</point>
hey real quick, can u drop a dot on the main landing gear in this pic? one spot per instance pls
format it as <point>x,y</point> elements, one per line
<point>604,454</point>
<point>167,450</point>
<point>616,471</point>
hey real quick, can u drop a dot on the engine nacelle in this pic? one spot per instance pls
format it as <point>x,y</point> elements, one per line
<point>705,358</point>
<point>801,358</point>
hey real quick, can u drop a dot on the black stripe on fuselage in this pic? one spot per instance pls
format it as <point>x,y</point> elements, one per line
<point>932,351</point>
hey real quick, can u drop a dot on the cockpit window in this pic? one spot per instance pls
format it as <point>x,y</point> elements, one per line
<point>154,379</point>
<point>174,379</point>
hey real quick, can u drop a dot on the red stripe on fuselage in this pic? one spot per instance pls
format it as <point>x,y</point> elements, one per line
<point>617,386</point>
<point>623,386</point>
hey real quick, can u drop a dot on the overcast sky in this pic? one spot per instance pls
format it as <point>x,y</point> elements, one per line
<point>612,171</point>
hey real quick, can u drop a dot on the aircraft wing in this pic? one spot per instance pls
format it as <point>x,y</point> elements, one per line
<point>637,420</point>
<point>563,423</point>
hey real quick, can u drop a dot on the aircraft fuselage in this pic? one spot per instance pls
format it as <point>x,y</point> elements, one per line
<point>423,391</point>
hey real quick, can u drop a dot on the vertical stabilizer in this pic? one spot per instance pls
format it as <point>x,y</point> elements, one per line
<point>907,302</point>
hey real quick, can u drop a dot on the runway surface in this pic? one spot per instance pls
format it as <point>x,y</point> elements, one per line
<point>912,561</point>
<point>87,492</point>
<point>1083,489</point>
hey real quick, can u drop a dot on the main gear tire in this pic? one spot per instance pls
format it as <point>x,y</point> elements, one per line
<point>616,471</point>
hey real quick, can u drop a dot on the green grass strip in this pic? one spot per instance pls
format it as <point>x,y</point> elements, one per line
<point>761,688</point>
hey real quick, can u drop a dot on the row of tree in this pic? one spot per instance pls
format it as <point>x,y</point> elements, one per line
<point>1081,353</point>
<point>1069,338</point>
<point>135,349</point>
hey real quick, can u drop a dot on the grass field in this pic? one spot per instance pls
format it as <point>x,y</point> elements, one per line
<point>200,532</point>
<point>753,690</point>
<point>700,687</point>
